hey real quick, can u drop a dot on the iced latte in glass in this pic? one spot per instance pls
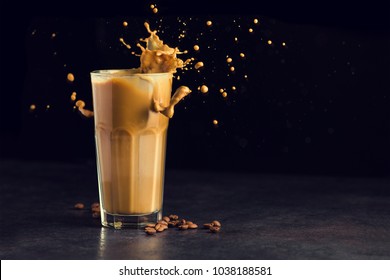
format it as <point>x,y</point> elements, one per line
<point>130,144</point>
<point>132,108</point>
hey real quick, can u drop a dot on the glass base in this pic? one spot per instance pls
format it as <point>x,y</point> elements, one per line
<point>117,221</point>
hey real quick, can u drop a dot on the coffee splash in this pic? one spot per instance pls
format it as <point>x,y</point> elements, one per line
<point>80,104</point>
<point>156,57</point>
<point>168,111</point>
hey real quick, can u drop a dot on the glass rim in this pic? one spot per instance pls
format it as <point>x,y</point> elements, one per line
<point>125,72</point>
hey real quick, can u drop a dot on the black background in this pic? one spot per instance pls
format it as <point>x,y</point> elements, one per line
<point>321,105</point>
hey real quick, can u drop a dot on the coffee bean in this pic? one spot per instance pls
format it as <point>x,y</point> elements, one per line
<point>216,223</point>
<point>208,225</point>
<point>173,223</point>
<point>167,219</point>
<point>162,222</point>
<point>183,227</point>
<point>149,228</point>
<point>173,217</point>
<point>150,225</point>
<point>150,231</point>
<point>192,226</point>
<point>215,229</point>
<point>160,229</point>
<point>79,206</point>
<point>189,223</point>
<point>95,205</point>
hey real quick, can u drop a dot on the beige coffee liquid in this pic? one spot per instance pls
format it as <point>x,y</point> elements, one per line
<point>131,140</point>
<point>132,110</point>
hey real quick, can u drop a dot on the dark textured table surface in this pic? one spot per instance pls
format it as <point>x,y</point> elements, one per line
<point>264,216</point>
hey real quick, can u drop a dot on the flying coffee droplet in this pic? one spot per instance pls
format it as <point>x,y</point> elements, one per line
<point>204,89</point>
<point>80,104</point>
<point>199,65</point>
<point>124,43</point>
<point>73,96</point>
<point>70,77</point>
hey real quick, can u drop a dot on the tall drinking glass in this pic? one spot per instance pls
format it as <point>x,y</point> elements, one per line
<point>130,144</point>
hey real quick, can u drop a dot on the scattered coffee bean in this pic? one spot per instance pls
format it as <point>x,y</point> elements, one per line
<point>183,227</point>
<point>162,227</point>
<point>150,231</point>
<point>173,217</point>
<point>95,205</point>
<point>167,219</point>
<point>95,208</point>
<point>216,223</point>
<point>79,206</point>
<point>192,226</point>
<point>173,223</point>
<point>158,226</point>
<point>153,228</point>
<point>215,229</point>
<point>214,226</point>
<point>162,222</point>
<point>149,228</point>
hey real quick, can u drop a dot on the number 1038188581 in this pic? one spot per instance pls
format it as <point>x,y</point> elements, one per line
<point>232,270</point>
